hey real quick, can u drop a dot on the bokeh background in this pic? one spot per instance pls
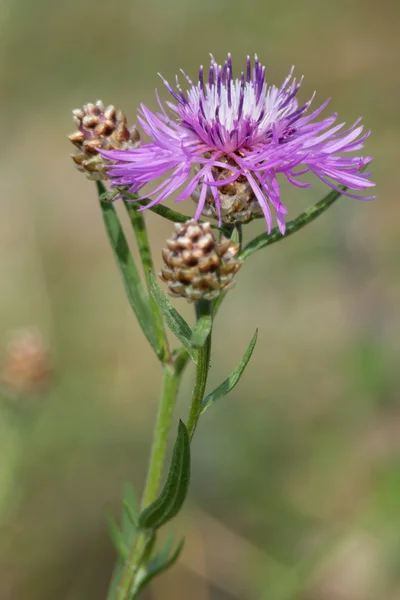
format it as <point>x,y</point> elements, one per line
<point>296,476</point>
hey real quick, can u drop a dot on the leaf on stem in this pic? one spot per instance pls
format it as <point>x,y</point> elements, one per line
<point>133,285</point>
<point>160,563</point>
<point>123,539</point>
<point>173,494</point>
<point>266,239</point>
<point>201,331</point>
<point>229,383</point>
<point>142,240</point>
<point>130,515</point>
<point>117,537</point>
<point>173,319</point>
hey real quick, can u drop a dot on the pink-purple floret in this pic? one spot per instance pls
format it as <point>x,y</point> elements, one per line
<point>259,129</point>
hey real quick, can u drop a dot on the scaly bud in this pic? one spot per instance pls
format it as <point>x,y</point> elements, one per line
<point>100,128</point>
<point>196,264</point>
<point>238,203</point>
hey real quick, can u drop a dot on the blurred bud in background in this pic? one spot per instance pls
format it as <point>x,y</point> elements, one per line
<point>27,365</point>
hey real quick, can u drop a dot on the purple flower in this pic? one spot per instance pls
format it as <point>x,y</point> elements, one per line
<point>227,137</point>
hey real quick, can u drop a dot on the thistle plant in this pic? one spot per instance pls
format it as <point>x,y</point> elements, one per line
<point>223,144</point>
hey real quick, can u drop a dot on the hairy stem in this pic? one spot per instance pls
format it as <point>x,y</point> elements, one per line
<point>171,379</point>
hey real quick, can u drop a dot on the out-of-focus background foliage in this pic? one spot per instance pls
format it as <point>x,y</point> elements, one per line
<point>296,476</point>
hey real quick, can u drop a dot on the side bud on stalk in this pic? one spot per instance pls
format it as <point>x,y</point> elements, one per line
<point>197,265</point>
<point>100,128</point>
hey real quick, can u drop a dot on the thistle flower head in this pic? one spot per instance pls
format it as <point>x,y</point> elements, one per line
<point>225,141</point>
<point>197,265</point>
<point>99,128</point>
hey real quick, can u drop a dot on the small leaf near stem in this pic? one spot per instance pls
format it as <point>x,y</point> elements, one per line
<point>129,526</point>
<point>237,235</point>
<point>120,543</point>
<point>229,383</point>
<point>203,308</point>
<point>139,227</point>
<point>173,319</point>
<point>133,285</point>
<point>160,563</point>
<point>309,215</point>
<point>201,331</point>
<point>173,494</point>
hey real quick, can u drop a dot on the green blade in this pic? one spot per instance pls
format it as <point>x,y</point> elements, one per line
<point>173,494</point>
<point>137,296</point>
<point>230,382</point>
<point>173,319</point>
<point>201,331</point>
<point>139,227</point>
<point>309,215</point>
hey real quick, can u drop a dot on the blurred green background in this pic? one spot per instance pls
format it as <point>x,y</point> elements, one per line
<point>296,476</point>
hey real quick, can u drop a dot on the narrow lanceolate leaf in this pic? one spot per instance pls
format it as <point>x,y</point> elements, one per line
<point>139,226</point>
<point>309,215</point>
<point>201,331</point>
<point>123,539</point>
<point>160,563</point>
<point>117,538</point>
<point>173,494</point>
<point>229,383</point>
<point>130,515</point>
<point>173,319</point>
<point>133,285</point>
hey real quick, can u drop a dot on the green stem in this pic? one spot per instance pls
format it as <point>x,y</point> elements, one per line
<point>142,239</point>
<point>171,379</point>
<point>163,425</point>
<point>167,213</point>
<point>203,307</point>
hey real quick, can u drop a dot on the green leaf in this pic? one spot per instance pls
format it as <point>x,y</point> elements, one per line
<point>173,319</point>
<point>173,494</point>
<point>117,537</point>
<point>217,302</point>
<point>309,215</point>
<point>137,297</point>
<point>229,383</point>
<point>237,234</point>
<point>142,240</point>
<point>106,196</point>
<point>201,331</point>
<point>160,563</point>
<point>148,547</point>
<point>130,515</point>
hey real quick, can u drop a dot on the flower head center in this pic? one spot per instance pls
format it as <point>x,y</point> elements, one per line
<point>230,114</point>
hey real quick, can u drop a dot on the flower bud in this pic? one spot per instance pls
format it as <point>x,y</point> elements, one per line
<point>99,128</point>
<point>197,265</point>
